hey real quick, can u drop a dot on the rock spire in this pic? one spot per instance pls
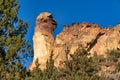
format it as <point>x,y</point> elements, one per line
<point>43,39</point>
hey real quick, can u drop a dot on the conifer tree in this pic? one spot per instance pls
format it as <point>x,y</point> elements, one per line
<point>81,67</point>
<point>49,73</point>
<point>12,41</point>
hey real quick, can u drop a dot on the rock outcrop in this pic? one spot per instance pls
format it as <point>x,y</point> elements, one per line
<point>43,39</point>
<point>90,36</point>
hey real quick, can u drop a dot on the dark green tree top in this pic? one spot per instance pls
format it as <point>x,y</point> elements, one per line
<point>12,41</point>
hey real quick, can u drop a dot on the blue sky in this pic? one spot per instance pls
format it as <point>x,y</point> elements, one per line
<point>102,12</point>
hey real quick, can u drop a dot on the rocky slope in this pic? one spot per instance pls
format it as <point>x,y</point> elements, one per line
<point>90,36</point>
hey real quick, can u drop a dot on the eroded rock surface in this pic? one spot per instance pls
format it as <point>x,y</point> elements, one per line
<point>43,39</point>
<point>90,36</point>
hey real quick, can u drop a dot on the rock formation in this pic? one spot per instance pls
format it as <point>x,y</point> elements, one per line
<point>43,39</point>
<point>90,36</point>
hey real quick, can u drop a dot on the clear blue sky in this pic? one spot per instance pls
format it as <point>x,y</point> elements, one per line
<point>102,12</point>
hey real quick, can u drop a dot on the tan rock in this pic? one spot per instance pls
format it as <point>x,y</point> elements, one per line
<point>90,36</point>
<point>44,15</point>
<point>43,39</point>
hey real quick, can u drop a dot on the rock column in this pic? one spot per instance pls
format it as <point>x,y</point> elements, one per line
<point>43,39</point>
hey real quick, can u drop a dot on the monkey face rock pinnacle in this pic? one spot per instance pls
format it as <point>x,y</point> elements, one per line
<point>43,39</point>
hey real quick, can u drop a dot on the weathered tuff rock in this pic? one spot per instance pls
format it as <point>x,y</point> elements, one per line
<point>90,36</point>
<point>43,39</point>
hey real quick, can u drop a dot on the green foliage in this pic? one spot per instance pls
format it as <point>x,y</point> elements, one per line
<point>118,67</point>
<point>112,61</point>
<point>50,73</point>
<point>12,42</point>
<point>35,74</point>
<point>113,55</point>
<point>80,67</point>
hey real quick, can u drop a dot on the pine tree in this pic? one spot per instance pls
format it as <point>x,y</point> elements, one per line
<point>12,41</point>
<point>49,73</point>
<point>80,67</point>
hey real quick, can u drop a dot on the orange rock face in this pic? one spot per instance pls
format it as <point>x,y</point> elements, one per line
<point>90,36</point>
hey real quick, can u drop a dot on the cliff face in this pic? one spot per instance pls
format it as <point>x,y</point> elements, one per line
<point>90,36</point>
